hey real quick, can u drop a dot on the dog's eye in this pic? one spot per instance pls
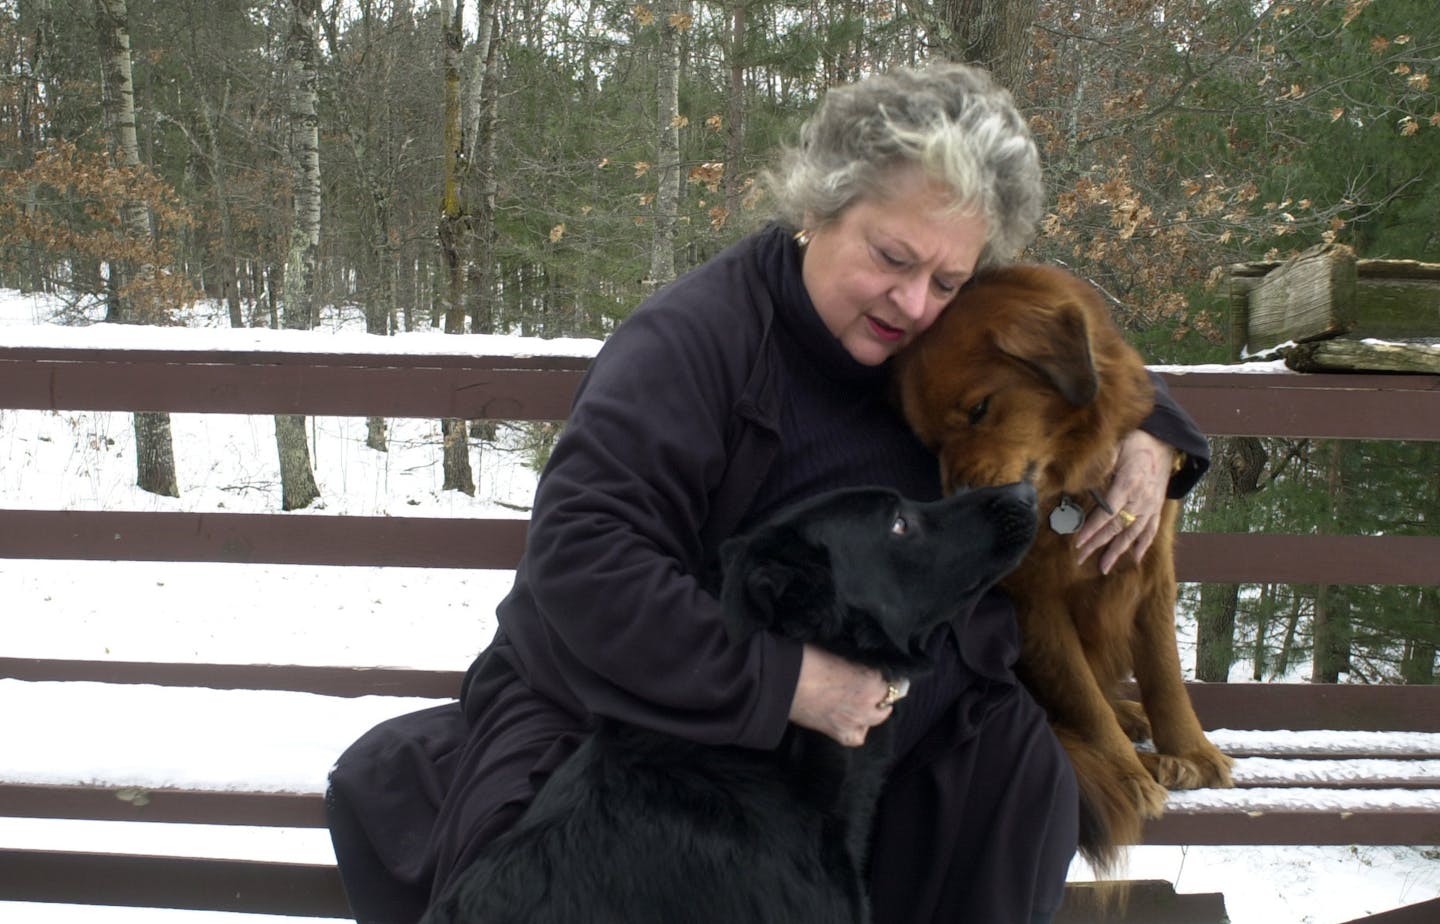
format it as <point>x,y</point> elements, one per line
<point>977,413</point>
<point>899,527</point>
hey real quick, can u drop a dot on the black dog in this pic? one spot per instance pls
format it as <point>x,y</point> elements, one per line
<point>639,826</point>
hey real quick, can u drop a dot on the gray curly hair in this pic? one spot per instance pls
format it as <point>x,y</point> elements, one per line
<point>951,120</point>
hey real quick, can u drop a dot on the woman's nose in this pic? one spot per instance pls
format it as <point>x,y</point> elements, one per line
<point>911,297</point>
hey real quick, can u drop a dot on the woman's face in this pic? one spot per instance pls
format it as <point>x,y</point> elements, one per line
<point>882,272</point>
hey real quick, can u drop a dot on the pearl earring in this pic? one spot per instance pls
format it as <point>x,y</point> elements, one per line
<point>802,237</point>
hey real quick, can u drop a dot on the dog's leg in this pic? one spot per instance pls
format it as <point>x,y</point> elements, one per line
<point>1077,703</point>
<point>1184,758</point>
<point>1132,718</point>
<point>1117,790</point>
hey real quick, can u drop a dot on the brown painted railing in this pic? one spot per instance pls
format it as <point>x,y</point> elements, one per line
<point>403,385</point>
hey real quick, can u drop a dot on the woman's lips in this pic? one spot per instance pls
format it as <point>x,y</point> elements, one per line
<point>884,331</point>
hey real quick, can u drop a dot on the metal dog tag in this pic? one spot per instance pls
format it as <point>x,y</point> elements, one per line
<point>1067,517</point>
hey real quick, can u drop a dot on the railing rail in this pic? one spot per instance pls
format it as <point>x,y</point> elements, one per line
<point>540,388</point>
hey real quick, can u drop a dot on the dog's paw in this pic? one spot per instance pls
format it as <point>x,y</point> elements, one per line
<point>1205,768</point>
<point>1132,719</point>
<point>1148,795</point>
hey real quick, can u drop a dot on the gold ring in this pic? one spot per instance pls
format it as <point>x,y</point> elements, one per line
<point>894,692</point>
<point>1127,518</point>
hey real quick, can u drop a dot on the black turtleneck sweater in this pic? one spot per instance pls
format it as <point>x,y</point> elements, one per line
<point>837,427</point>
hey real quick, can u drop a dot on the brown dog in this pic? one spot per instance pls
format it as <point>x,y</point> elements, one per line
<point>1025,377</point>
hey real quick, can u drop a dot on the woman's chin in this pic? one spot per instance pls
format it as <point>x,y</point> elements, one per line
<point>869,352</point>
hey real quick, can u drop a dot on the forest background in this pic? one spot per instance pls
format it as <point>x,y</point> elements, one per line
<point>537,167</point>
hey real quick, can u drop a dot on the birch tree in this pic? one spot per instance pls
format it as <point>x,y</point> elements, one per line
<point>297,480</point>
<point>456,464</point>
<point>479,186</point>
<point>154,448</point>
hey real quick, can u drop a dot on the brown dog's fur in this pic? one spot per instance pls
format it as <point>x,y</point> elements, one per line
<point>1025,377</point>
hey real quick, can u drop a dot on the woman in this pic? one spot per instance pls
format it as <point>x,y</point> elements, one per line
<point>754,381</point>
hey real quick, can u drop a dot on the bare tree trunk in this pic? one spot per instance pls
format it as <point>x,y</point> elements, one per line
<point>32,94</point>
<point>735,117</point>
<point>994,34</point>
<point>297,478</point>
<point>154,448</point>
<point>1259,654</point>
<point>1242,460</point>
<point>378,273</point>
<point>1331,644</point>
<point>406,287</point>
<point>300,264</point>
<point>1292,629</point>
<point>1417,661</point>
<point>456,464</point>
<point>481,102</point>
<point>379,295</point>
<point>667,144</point>
<point>274,285</point>
<point>215,165</point>
<point>380,298</point>
<point>480,74</point>
<point>452,211</point>
<point>1331,627</point>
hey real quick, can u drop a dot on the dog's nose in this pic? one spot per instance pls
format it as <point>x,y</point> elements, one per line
<point>1014,512</point>
<point>1020,494</point>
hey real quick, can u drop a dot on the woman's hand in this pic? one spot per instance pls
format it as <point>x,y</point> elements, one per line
<point>837,698</point>
<point>1143,465</point>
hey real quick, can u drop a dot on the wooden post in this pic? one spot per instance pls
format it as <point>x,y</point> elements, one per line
<point>1307,298</point>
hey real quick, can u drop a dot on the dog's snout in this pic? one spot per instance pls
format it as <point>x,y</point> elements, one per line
<point>1013,511</point>
<point>1020,494</point>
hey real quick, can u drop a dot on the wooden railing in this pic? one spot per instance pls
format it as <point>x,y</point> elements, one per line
<point>502,388</point>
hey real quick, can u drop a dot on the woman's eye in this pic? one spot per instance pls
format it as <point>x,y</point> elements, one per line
<point>978,412</point>
<point>899,527</point>
<point>889,259</point>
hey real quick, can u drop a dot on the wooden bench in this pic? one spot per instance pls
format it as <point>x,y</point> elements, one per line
<point>1368,772</point>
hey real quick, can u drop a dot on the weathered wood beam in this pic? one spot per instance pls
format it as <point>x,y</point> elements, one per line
<point>1343,354</point>
<point>1304,298</point>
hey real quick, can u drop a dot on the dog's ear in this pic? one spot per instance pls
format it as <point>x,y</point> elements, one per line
<point>1054,342</point>
<point>768,576</point>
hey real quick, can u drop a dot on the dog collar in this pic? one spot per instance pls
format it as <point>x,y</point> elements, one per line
<point>1068,515</point>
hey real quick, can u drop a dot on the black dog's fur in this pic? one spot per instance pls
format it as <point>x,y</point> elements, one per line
<point>640,827</point>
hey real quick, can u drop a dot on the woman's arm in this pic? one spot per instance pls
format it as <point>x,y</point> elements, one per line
<point>614,554</point>
<point>1161,460</point>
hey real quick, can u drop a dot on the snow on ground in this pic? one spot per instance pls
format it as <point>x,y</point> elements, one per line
<point>427,618</point>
